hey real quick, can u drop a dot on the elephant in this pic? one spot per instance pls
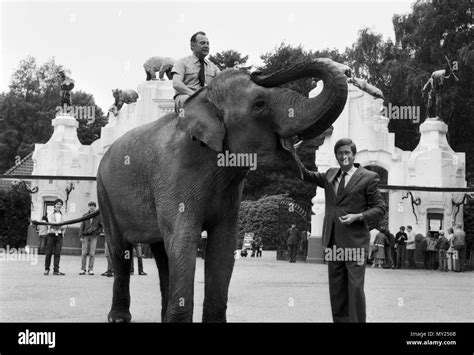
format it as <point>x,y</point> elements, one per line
<point>158,64</point>
<point>121,97</point>
<point>160,183</point>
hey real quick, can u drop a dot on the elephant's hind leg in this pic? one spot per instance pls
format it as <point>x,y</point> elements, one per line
<point>121,260</point>
<point>161,259</point>
<point>119,249</point>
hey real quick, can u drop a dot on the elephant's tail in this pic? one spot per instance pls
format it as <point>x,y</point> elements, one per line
<point>109,221</point>
<point>71,221</point>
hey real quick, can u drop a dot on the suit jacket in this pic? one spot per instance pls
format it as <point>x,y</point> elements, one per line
<point>361,195</point>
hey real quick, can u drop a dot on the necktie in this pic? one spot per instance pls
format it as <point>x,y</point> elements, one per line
<point>340,188</point>
<point>202,75</point>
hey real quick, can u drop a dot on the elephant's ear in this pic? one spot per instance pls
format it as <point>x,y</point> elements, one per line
<point>199,118</point>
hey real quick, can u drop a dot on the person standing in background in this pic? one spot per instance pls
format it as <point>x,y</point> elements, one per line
<point>450,251</point>
<point>459,246</point>
<point>88,233</point>
<point>442,245</point>
<point>390,254</point>
<point>401,238</point>
<point>43,236</point>
<point>293,236</point>
<point>54,241</point>
<point>138,250</point>
<point>379,243</point>
<point>411,246</point>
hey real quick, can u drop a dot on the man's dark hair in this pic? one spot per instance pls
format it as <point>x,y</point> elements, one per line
<point>193,37</point>
<point>402,228</point>
<point>345,141</point>
<point>58,200</point>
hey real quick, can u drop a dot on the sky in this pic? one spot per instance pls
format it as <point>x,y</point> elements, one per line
<point>104,44</point>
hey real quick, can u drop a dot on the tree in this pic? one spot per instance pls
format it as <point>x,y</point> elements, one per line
<point>27,109</point>
<point>227,59</point>
<point>431,33</point>
<point>88,132</point>
<point>262,217</point>
<point>15,209</point>
<point>285,55</point>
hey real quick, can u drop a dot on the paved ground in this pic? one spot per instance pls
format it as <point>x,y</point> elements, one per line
<point>262,290</point>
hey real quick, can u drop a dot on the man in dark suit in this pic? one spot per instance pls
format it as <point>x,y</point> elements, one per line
<point>354,205</point>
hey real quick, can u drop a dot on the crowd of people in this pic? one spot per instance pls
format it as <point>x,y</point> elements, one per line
<point>441,251</point>
<point>51,240</point>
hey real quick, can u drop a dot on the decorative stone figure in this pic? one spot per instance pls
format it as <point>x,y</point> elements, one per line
<point>67,84</point>
<point>158,64</point>
<point>432,90</point>
<point>121,97</point>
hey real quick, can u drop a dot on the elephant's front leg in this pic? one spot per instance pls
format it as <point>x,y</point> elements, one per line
<point>181,249</point>
<point>219,264</point>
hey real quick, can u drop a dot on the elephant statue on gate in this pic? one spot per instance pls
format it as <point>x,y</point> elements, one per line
<point>165,182</point>
<point>121,97</point>
<point>158,64</point>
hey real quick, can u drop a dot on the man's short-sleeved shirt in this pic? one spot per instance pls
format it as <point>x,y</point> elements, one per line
<point>189,68</point>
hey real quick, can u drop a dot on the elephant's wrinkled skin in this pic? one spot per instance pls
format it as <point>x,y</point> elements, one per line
<point>160,183</point>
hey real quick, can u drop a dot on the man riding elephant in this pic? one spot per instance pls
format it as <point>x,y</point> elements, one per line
<point>193,72</point>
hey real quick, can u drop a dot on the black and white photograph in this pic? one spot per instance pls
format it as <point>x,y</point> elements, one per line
<point>295,165</point>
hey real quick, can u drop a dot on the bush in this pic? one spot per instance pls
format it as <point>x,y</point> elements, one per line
<point>15,209</point>
<point>267,219</point>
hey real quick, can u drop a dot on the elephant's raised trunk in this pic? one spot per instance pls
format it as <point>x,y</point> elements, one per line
<point>298,115</point>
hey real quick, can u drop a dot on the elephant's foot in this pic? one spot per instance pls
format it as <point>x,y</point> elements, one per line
<point>214,317</point>
<point>119,316</point>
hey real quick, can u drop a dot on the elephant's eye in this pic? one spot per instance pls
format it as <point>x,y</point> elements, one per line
<point>259,104</point>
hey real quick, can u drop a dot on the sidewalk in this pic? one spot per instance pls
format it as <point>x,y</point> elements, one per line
<point>261,290</point>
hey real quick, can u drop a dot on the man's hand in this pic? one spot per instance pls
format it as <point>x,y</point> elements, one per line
<point>351,217</point>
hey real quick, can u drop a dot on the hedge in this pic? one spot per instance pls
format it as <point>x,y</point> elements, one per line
<point>267,219</point>
<point>15,209</point>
